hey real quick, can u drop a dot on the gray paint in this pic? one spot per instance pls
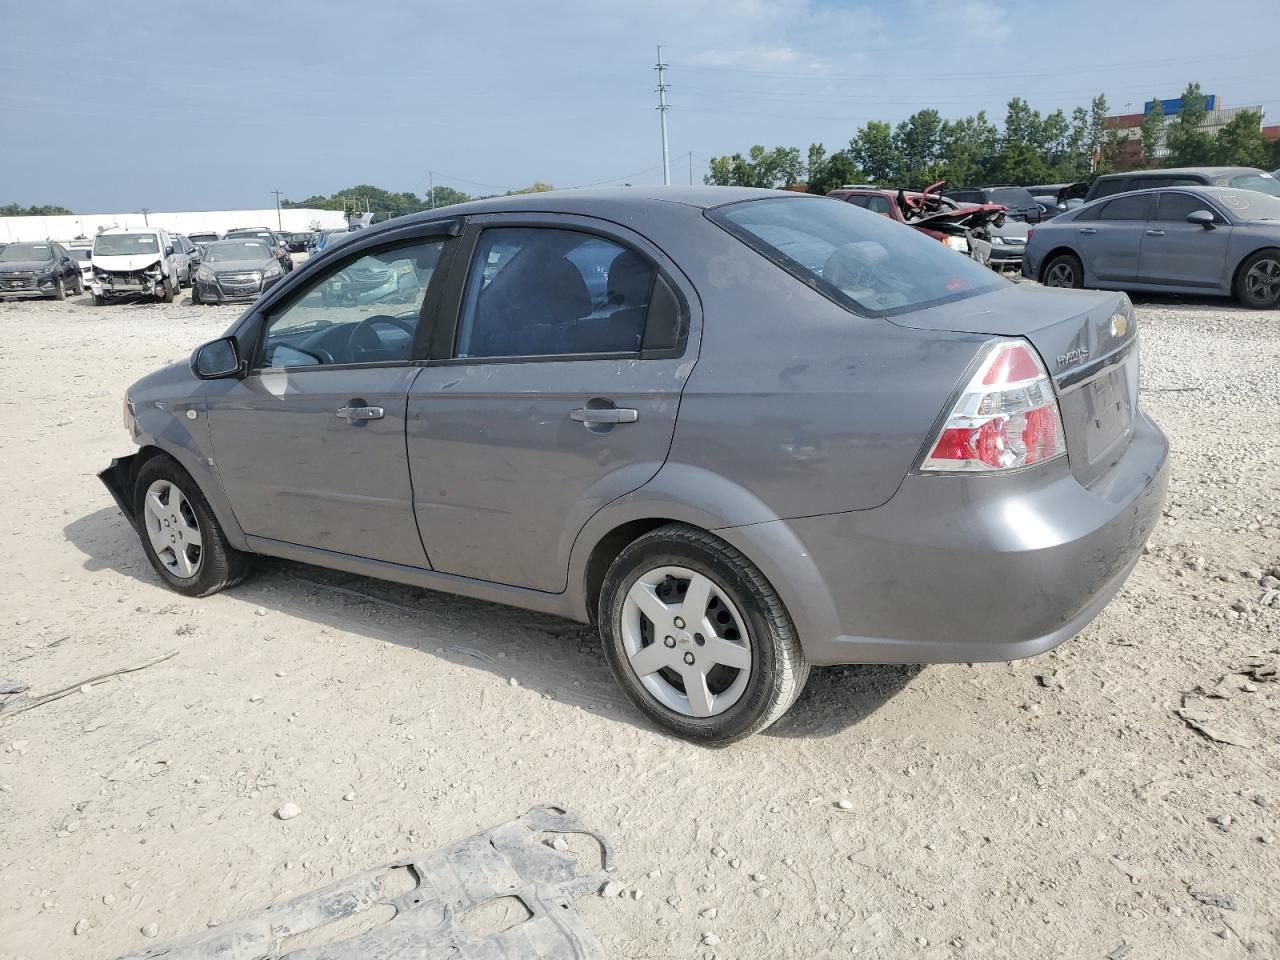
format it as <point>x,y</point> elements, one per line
<point>1159,256</point>
<point>788,425</point>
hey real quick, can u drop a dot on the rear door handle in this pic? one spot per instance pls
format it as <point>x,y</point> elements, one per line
<point>1088,230</point>
<point>353,414</point>
<point>1155,233</point>
<point>605,415</point>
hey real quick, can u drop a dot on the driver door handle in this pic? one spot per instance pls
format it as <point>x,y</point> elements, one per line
<point>1088,230</point>
<point>604,415</point>
<point>353,414</point>
<point>1155,233</point>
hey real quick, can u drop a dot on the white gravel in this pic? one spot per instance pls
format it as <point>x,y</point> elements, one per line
<point>988,814</point>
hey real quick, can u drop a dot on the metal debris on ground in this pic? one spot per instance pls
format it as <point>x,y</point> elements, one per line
<point>1222,901</point>
<point>1198,718</point>
<point>1120,952</point>
<point>429,898</point>
<point>23,703</point>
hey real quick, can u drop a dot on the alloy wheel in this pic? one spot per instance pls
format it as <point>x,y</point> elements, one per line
<point>173,529</point>
<point>1262,282</point>
<point>686,641</point>
<point>1060,275</point>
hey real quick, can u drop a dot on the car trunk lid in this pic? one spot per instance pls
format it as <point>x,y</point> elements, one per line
<point>1088,342</point>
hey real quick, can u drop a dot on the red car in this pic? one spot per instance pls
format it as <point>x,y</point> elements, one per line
<point>962,227</point>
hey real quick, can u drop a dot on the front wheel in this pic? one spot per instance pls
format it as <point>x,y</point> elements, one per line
<point>78,289</point>
<point>1258,280</point>
<point>697,637</point>
<point>59,290</point>
<point>167,296</point>
<point>1064,270</point>
<point>195,293</point>
<point>180,535</point>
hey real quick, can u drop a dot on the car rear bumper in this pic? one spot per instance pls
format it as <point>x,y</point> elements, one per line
<point>957,569</point>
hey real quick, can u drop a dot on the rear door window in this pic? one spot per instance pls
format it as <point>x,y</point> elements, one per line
<point>546,291</point>
<point>1135,207</point>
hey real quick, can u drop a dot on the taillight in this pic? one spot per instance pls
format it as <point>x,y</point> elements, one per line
<point>1007,416</point>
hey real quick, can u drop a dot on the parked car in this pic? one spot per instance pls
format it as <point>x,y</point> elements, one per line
<point>1243,178</point>
<point>1206,240</point>
<point>130,263</point>
<point>238,268</point>
<point>327,238</point>
<point>731,498</point>
<point>279,249</point>
<point>200,239</point>
<point>965,229</point>
<point>40,269</point>
<point>83,252</point>
<point>1017,200</point>
<point>298,242</point>
<point>1008,242</point>
<point>186,257</point>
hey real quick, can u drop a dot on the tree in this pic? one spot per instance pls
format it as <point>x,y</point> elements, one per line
<point>1097,137</point>
<point>825,173</point>
<point>779,167</point>
<point>1190,145</point>
<point>918,141</point>
<point>1151,130</point>
<point>446,196</point>
<point>536,187</point>
<point>1241,144</point>
<point>969,150</point>
<point>40,210</point>
<point>873,152</point>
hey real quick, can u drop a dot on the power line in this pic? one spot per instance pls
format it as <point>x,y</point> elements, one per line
<point>663,107</point>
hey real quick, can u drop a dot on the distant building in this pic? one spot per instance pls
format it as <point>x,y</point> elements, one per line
<point>1129,128</point>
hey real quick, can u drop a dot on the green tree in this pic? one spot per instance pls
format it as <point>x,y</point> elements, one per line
<point>446,196</point>
<point>1095,159</point>
<point>1190,145</point>
<point>1151,130</point>
<point>825,174</point>
<point>39,210</point>
<point>1241,144</point>
<point>873,152</point>
<point>779,167</point>
<point>969,150</point>
<point>918,142</point>
<point>536,187</point>
<point>1020,163</point>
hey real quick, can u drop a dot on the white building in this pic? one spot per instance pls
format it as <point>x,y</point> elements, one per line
<point>86,226</point>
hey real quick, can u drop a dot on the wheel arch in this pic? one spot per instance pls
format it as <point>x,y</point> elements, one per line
<point>205,478</point>
<point>1235,273</point>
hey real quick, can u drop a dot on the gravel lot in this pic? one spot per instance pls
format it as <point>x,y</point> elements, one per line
<point>1055,807</point>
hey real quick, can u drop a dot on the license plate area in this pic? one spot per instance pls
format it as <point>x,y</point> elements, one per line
<point>1098,417</point>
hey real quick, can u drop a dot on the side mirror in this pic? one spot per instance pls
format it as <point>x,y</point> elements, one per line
<point>168,251</point>
<point>217,360</point>
<point>1202,218</point>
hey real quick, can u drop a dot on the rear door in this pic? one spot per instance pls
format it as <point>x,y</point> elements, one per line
<point>1183,254</point>
<point>555,393</point>
<point>1112,243</point>
<point>310,446</point>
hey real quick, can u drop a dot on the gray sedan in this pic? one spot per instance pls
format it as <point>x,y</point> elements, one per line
<point>1192,239</point>
<point>743,432</point>
<point>236,269</point>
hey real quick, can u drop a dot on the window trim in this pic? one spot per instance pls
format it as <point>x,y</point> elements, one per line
<point>445,340</point>
<point>280,304</point>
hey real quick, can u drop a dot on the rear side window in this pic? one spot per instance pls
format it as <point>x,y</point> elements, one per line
<point>864,262</point>
<point>544,291</point>
<point>1174,207</point>
<point>1107,188</point>
<point>1135,207</point>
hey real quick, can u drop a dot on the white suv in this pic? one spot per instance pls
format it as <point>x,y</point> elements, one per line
<point>134,263</point>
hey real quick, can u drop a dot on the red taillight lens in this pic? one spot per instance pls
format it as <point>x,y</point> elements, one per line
<point>1007,416</point>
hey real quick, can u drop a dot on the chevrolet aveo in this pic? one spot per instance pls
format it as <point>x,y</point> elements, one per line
<point>743,432</point>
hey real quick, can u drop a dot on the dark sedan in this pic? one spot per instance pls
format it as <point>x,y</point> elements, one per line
<point>44,269</point>
<point>1206,240</point>
<point>279,248</point>
<point>235,269</point>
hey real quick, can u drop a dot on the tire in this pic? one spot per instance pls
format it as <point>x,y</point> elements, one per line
<point>60,291</point>
<point>215,565</point>
<point>1258,280</point>
<point>195,294</point>
<point>99,301</point>
<point>79,287</point>
<point>1064,270</point>
<point>168,291</point>
<point>738,699</point>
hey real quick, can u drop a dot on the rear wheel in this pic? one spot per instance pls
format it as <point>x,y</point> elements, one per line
<point>1064,270</point>
<point>1258,280</point>
<point>697,637</point>
<point>180,535</point>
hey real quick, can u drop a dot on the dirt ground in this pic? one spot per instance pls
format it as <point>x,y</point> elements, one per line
<point>1055,807</point>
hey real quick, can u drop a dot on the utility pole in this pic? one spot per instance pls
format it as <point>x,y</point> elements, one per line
<point>691,168</point>
<point>431,189</point>
<point>145,211</point>
<point>663,107</point>
<point>279,221</point>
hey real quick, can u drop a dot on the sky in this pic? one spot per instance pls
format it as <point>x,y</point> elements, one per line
<point>214,104</point>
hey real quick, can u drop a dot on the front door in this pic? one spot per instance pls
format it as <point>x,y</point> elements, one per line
<point>310,446</point>
<point>1184,254</point>
<point>559,395</point>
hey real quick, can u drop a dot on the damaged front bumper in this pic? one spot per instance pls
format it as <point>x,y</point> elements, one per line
<point>111,284</point>
<point>118,479</point>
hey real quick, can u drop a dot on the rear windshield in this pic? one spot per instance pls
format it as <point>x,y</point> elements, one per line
<point>237,250</point>
<point>80,253</point>
<point>864,261</point>
<point>203,237</point>
<point>20,252</point>
<point>1249,205</point>
<point>123,244</point>
<point>1015,197</point>
<point>1262,182</point>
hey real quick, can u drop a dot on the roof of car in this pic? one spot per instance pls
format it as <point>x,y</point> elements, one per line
<point>1206,171</point>
<point>130,230</point>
